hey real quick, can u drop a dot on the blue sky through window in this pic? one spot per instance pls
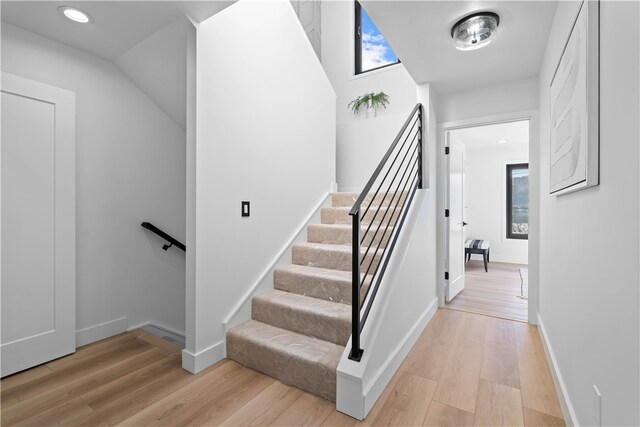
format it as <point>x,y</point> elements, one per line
<point>376,52</point>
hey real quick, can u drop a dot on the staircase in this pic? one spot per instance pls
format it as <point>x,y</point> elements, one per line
<point>299,329</point>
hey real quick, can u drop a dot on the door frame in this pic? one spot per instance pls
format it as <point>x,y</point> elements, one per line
<point>534,198</point>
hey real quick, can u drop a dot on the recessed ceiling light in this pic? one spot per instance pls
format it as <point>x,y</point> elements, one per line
<point>475,31</point>
<point>502,141</point>
<point>76,14</point>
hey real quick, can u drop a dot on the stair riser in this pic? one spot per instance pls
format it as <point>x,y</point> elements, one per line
<point>348,199</point>
<point>341,216</point>
<point>342,236</point>
<point>316,287</point>
<point>333,327</point>
<point>299,372</point>
<point>336,260</point>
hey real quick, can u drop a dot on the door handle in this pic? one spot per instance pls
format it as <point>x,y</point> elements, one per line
<point>464,223</point>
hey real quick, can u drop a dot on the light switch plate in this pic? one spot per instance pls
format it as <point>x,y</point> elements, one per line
<point>246,208</point>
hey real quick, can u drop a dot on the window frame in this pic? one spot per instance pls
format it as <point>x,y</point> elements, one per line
<point>357,37</point>
<point>510,168</point>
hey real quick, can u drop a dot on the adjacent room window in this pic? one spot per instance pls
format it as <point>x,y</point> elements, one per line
<point>518,201</point>
<point>371,49</point>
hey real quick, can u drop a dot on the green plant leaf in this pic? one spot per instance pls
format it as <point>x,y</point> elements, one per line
<point>376,100</point>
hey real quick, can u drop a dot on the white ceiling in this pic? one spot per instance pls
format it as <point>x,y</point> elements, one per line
<point>420,33</point>
<point>489,135</point>
<point>145,39</point>
<point>117,26</point>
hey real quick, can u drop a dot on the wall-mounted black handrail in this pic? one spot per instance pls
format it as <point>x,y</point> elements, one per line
<point>165,236</point>
<point>410,171</point>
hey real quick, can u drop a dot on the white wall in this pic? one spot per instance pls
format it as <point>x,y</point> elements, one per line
<point>485,199</point>
<point>265,134</point>
<point>589,294</point>
<point>158,65</point>
<point>130,168</point>
<point>518,95</point>
<point>361,141</point>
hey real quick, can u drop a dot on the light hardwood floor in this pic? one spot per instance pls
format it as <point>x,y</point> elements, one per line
<point>465,369</point>
<point>494,293</point>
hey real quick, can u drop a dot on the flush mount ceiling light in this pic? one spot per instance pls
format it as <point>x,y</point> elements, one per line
<point>76,14</point>
<point>475,31</point>
<point>502,141</point>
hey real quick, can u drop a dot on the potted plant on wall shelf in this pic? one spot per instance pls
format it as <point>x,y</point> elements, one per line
<point>369,102</point>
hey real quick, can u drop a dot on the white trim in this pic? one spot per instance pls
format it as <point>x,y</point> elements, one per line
<point>377,384</point>
<point>442,129</point>
<point>283,256</point>
<point>101,331</point>
<point>195,363</point>
<point>561,389</point>
<point>356,398</point>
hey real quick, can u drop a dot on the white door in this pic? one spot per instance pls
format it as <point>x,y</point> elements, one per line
<point>38,288</point>
<point>455,188</point>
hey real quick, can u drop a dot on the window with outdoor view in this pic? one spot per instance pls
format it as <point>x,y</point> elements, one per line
<point>371,48</point>
<point>518,201</point>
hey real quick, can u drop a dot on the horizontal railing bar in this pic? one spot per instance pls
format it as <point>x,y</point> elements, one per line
<point>394,161</point>
<point>394,196</point>
<point>409,179</point>
<point>384,251</point>
<point>369,303</point>
<point>372,180</point>
<point>394,177</point>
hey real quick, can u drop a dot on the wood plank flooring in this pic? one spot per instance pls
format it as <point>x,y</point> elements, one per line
<point>494,293</point>
<point>466,369</point>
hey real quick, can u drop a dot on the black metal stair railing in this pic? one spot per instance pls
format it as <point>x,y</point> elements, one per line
<point>375,208</point>
<point>172,241</point>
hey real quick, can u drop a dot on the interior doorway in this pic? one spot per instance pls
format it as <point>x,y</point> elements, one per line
<point>487,219</point>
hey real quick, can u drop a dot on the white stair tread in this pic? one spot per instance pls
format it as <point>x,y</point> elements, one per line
<point>315,317</point>
<point>325,273</point>
<point>284,341</point>
<point>311,306</point>
<point>305,362</point>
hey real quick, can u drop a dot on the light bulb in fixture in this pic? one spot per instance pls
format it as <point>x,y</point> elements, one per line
<point>502,141</point>
<point>76,14</point>
<point>475,31</point>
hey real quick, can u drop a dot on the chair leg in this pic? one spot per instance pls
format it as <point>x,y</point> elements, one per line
<point>484,257</point>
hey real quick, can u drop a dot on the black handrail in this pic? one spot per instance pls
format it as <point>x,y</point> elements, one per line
<point>165,236</point>
<point>405,190</point>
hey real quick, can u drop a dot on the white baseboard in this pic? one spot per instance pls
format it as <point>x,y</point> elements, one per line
<point>195,363</point>
<point>356,398</point>
<point>376,386</point>
<point>561,389</point>
<point>101,331</point>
